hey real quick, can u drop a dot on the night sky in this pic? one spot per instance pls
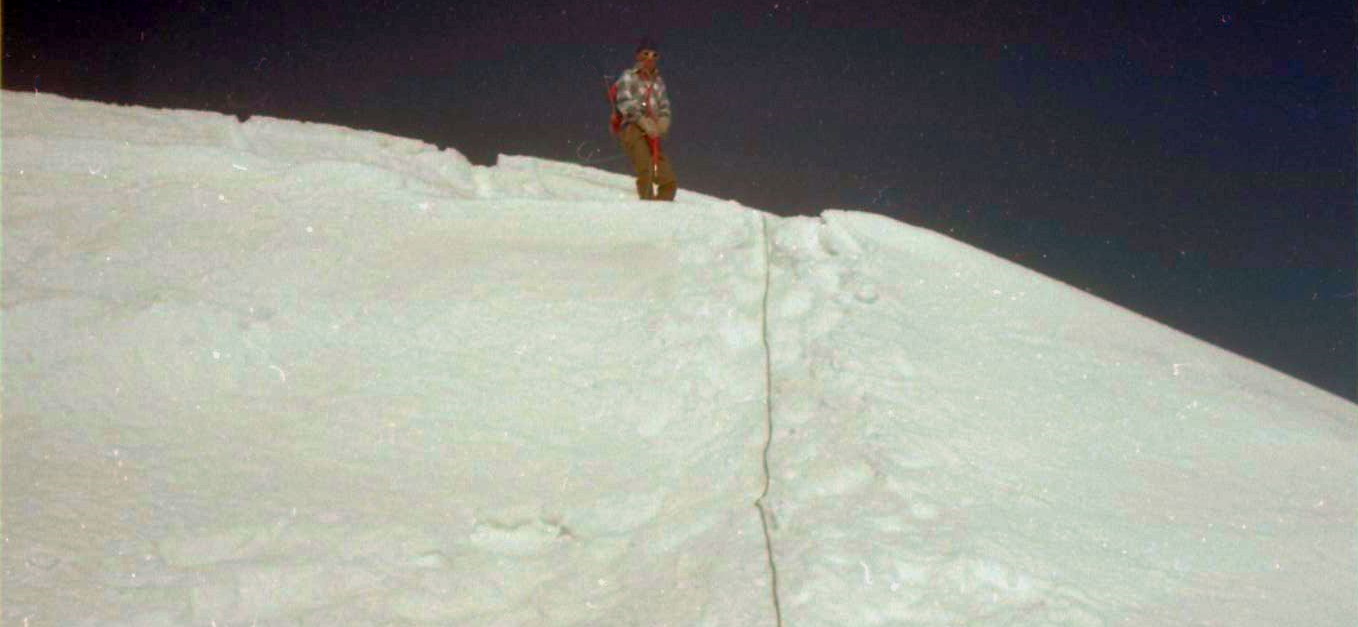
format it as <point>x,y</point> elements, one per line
<point>1191,161</point>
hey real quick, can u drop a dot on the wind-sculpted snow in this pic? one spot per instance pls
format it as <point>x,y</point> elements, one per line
<point>283,387</point>
<point>961,441</point>
<point>275,373</point>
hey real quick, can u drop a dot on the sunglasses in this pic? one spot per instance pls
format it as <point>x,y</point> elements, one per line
<point>649,54</point>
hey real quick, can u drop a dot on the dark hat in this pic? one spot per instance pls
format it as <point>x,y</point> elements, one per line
<point>647,44</point>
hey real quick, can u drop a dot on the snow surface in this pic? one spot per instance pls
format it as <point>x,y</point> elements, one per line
<point>277,373</point>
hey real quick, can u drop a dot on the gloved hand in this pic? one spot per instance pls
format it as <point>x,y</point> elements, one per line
<point>649,126</point>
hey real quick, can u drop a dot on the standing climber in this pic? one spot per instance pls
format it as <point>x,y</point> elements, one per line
<point>644,111</point>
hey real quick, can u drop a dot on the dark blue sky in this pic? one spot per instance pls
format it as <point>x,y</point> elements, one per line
<point>1193,161</point>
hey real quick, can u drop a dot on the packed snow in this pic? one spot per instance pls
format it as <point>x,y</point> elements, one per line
<point>279,373</point>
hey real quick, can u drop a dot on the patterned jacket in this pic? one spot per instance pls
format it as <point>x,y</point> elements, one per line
<point>639,97</point>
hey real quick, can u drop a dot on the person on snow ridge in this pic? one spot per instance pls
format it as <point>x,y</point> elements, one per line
<point>645,109</point>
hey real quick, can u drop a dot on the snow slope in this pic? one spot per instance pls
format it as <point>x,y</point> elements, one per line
<point>275,373</point>
<point>962,441</point>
